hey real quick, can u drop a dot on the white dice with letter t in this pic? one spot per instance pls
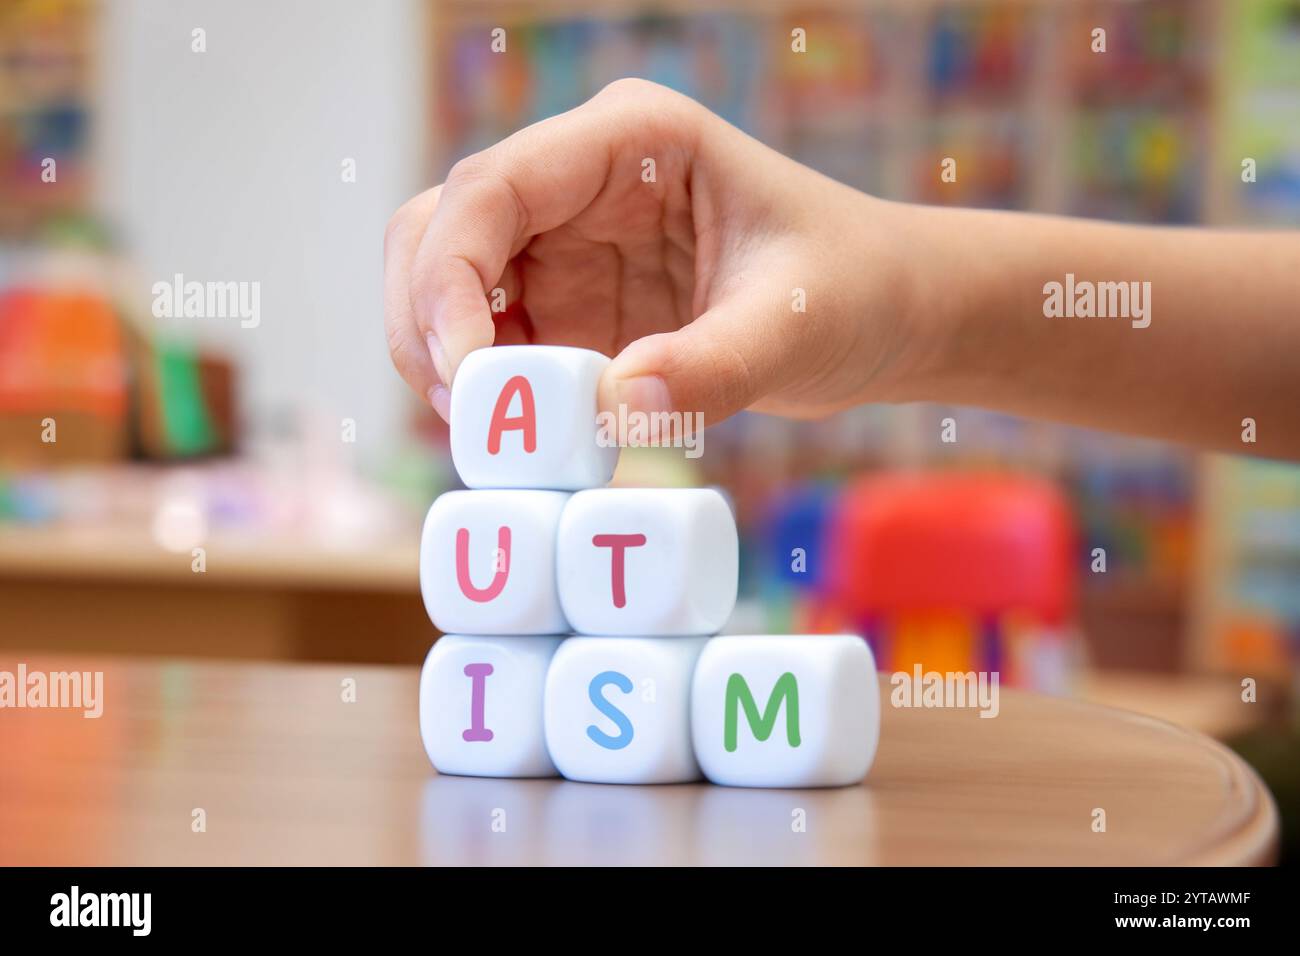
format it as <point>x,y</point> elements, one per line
<point>481,705</point>
<point>661,561</point>
<point>618,709</point>
<point>487,562</point>
<point>524,416</point>
<point>785,711</point>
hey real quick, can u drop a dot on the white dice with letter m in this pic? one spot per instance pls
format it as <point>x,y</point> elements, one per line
<point>785,710</point>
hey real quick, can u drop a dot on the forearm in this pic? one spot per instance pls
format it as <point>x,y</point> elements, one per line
<point>1208,332</point>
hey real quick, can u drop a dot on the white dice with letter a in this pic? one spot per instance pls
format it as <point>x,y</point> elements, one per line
<point>660,561</point>
<point>524,416</point>
<point>487,562</point>
<point>481,705</point>
<point>618,709</point>
<point>785,711</point>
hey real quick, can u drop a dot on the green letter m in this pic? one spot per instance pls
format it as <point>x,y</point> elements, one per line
<point>739,695</point>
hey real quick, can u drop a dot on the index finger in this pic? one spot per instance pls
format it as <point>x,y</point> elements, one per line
<point>495,201</point>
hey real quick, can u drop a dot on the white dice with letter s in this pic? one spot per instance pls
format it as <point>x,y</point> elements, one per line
<point>785,711</point>
<point>487,562</point>
<point>524,416</point>
<point>618,709</point>
<point>661,561</point>
<point>481,705</point>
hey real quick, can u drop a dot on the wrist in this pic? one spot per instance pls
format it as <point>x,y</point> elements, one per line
<point>911,304</point>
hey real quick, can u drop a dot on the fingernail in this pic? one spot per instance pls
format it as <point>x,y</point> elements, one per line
<point>644,393</point>
<point>440,399</point>
<point>439,357</point>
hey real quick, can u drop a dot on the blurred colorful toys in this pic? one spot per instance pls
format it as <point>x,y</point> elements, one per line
<point>951,572</point>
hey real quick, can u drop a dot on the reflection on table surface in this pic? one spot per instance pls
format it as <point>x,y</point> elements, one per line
<point>477,821</point>
<point>285,769</point>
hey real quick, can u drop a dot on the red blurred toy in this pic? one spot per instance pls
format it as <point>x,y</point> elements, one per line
<point>958,572</point>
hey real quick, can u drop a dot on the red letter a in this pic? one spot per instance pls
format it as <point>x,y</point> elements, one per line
<point>526,422</point>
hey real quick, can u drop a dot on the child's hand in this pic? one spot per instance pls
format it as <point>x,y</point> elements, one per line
<point>641,225</point>
<point>719,273</point>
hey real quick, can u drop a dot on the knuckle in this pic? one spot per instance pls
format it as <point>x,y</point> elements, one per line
<point>469,169</point>
<point>434,279</point>
<point>396,225</point>
<point>392,333</point>
<point>734,376</point>
<point>649,111</point>
<point>493,191</point>
<point>721,375</point>
<point>400,221</point>
<point>426,281</point>
<point>405,360</point>
<point>487,174</point>
<point>631,88</point>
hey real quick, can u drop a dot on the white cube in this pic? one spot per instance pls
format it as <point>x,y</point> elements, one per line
<point>618,709</point>
<point>648,561</point>
<point>785,711</point>
<point>481,705</point>
<point>524,416</point>
<point>487,562</point>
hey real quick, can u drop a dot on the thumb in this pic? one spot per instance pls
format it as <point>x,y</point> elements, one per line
<point>727,359</point>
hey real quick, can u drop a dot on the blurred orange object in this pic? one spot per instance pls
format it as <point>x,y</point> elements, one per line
<point>937,641</point>
<point>62,361</point>
<point>1256,643</point>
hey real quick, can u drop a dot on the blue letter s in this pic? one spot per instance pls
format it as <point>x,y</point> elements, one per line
<point>623,683</point>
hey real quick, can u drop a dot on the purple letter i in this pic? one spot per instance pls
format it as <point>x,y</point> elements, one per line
<point>477,673</point>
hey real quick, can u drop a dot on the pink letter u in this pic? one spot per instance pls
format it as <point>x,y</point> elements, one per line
<point>482,595</point>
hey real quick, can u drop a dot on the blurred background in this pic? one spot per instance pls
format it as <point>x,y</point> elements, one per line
<point>206,486</point>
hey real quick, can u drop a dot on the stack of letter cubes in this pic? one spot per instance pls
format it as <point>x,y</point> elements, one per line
<point>538,550</point>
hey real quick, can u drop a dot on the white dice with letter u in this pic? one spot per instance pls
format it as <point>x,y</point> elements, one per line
<point>481,705</point>
<point>785,710</point>
<point>524,416</point>
<point>618,709</point>
<point>661,561</point>
<point>487,562</point>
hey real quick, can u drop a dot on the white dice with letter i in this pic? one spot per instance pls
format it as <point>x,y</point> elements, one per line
<point>523,436</point>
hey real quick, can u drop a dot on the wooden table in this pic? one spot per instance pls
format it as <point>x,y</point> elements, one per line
<point>287,772</point>
<point>1210,703</point>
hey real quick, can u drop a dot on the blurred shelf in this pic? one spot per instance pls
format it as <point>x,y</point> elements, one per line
<point>1136,593</point>
<point>116,591</point>
<point>257,560</point>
